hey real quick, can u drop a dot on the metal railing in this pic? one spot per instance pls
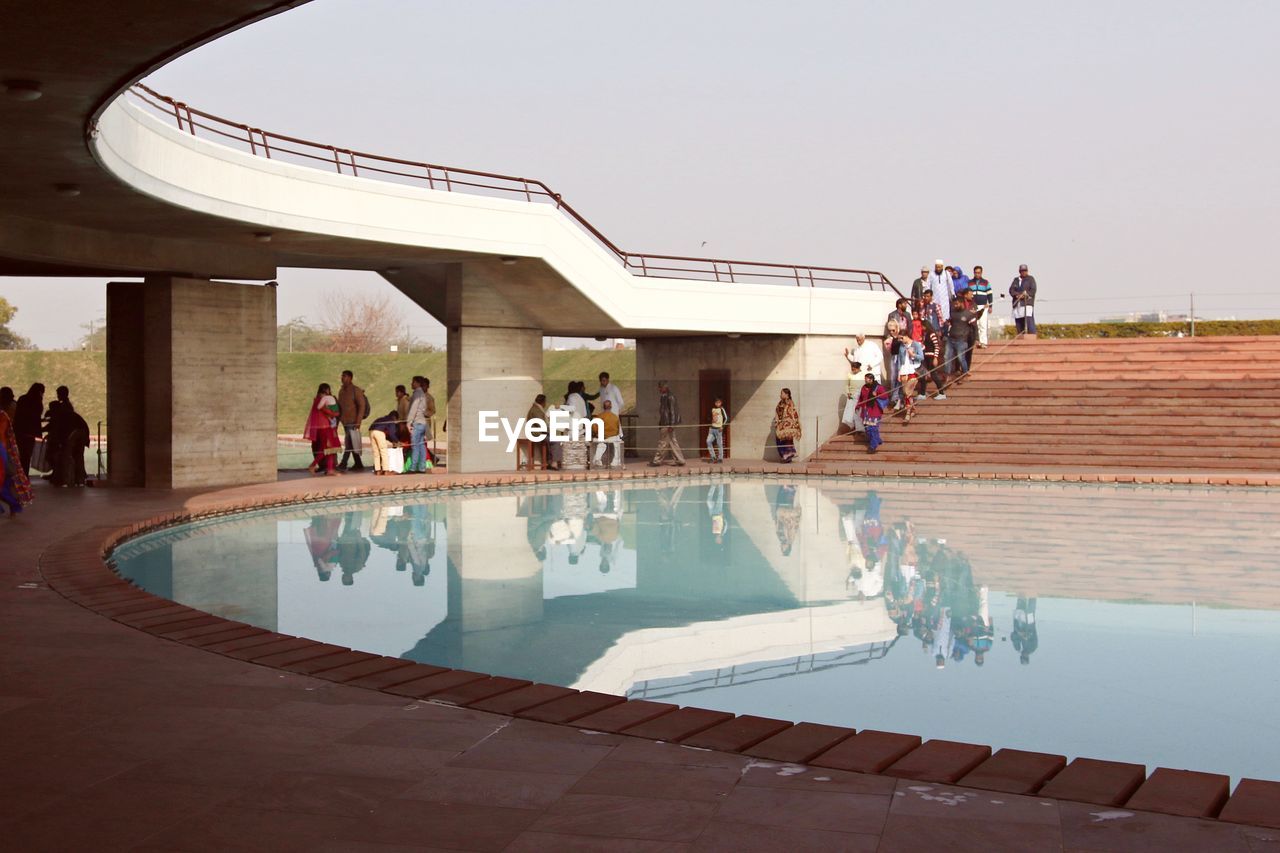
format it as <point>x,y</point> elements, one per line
<point>345,161</point>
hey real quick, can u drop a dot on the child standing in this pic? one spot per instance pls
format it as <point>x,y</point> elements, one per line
<point>715,435</point>
<point>873,399</point>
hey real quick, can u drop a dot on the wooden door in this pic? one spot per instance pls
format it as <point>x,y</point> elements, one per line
<point>712,384</point>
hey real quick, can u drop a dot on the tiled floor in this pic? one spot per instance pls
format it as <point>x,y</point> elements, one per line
<point>114,739</point>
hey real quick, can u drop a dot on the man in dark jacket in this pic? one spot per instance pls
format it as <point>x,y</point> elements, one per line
<point>353,408</point>
<point>26,426</point>
<point>932,343</point>
<point>1023,294</point>
<point>668,420</point>
<point>918,287</point>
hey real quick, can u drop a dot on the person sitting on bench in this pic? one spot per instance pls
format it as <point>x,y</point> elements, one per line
<point>612,436</point>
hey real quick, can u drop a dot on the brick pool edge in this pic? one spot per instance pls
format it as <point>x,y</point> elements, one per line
<point>78,569</point>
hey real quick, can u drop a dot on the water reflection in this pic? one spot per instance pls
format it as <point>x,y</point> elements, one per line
<point>802,601</point>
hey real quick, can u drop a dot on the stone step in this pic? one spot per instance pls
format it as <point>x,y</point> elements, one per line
<point>980,417</point>
<point>887,455</point>
<point>1140,343</point>
<point>1226,428</point>
<point>1233,446</point>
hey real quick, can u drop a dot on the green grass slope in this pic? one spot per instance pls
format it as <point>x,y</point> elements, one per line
<point>298,375</point>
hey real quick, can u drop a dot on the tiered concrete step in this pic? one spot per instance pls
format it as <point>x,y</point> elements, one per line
<point>1204,404</point>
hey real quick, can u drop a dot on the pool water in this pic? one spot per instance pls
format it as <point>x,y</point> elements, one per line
<point>1132,624</point>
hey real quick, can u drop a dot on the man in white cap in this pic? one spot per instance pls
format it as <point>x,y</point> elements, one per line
<point>940,283</point>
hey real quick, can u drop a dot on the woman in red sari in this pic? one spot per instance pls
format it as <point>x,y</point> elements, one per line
<point>322,431</point>
<point>15,488</point>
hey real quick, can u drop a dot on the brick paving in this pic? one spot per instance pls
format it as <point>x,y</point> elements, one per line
<point>140,738</point>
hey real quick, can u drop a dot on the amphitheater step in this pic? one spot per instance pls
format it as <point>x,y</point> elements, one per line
<point>1146,404</point>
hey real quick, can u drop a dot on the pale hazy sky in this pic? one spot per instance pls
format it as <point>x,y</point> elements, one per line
<point>1125,150</point>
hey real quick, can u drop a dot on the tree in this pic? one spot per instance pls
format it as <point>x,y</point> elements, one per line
<point>298,335</point>
<point>360,323</point>
<point>10,339</point>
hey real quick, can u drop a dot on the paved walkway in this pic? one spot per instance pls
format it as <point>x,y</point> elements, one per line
<point>117,740</point>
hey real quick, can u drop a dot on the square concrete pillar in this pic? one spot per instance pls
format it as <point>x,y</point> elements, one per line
<point>191,383</point>
<point>494,358</point>
<point>489,369</point>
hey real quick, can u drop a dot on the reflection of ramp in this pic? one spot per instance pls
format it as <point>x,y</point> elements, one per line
<point>745,642</point>
<point>751,673</point>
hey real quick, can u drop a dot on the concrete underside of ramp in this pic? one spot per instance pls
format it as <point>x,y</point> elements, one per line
<point>160,204</point>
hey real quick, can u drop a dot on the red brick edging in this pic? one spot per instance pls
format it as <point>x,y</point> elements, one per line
<point>77,568</point>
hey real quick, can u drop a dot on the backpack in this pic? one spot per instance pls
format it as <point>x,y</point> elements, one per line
<point>366,409</point>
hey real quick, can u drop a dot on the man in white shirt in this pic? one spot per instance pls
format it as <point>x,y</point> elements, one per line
<point>608,392</point>
<point>940,283</point>
<point>868,357</point>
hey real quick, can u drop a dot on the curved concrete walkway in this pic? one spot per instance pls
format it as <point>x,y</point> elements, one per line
<point>116,739</point>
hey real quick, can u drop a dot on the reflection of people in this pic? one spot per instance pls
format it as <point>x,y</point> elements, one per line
<point>353,548</point>
<point>668,502</point>
<point>786,517</point>
<point>420,542</point>
<point>715,508</point>
<point>1025,638</point>
<point>319,536</point>
<point>942,639</point>
<point>606,524</point>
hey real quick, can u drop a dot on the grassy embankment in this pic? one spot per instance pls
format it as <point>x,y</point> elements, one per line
<point>298,374</point>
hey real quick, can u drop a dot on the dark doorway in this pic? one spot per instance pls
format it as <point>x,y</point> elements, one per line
<point>712,384</point>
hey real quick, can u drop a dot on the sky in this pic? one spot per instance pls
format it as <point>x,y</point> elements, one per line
<point>1123,150</point>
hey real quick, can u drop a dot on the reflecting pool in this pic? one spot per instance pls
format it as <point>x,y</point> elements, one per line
<point>1133,624</point>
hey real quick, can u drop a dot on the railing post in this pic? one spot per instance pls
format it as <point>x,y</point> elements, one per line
<point>248,133</point>
<point>337,164</point>
<point>527,195</point>
<point>351,155</point>
<point>431,181</point>
<point>732,280</point>
<point>796,272</point>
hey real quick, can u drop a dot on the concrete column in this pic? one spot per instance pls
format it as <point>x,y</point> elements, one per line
<point>191,383</point>
<point>125,365</point>
<point>494,359</point>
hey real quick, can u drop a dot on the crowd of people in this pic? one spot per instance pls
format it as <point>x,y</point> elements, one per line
<point>398,439</point>
<point>52,439</point>
<point>929,337</point>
